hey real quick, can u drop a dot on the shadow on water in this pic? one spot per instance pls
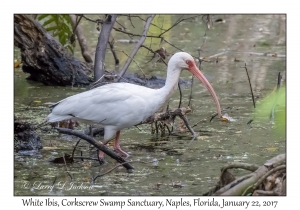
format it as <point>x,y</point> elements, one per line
<point>169,165</point>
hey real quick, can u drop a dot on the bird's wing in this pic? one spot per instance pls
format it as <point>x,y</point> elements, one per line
<point>111,104</point>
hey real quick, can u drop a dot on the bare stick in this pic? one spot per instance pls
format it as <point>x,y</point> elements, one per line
<point>250,85</point>
<point>81,39</point>
<point>110,170</point>
<point>275,101</point>
<point>155,53</point>
<point>173,46</point>
<point>188,125</point>
<point>75,148</point>
<point>137,47</point>
<point>111,45</point>
<point>85,158</point>
<point>177,22</point>
<point>67,167</point>
<point>275,55</point>
<point>180,95</point>
<point>191,93</point>
<point>135,63</point>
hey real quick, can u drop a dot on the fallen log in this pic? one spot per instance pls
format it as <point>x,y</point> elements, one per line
<point>268,179</point>
<point>44,58</point>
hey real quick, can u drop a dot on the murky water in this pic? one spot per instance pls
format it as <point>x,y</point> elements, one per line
<point>171,165</point>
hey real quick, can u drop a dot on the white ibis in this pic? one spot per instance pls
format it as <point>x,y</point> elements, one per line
<point>117,106</point>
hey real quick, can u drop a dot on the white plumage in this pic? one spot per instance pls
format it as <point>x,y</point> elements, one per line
<point>121,105</point>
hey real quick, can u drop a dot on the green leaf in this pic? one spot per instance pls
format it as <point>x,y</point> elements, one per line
<point>276,101</point>
<point>41,17</point>
<point>52,28</point>
<point>47,22</point>
<point>61,27</point>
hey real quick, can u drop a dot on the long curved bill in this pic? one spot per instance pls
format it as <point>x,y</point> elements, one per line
<point>194,70</point>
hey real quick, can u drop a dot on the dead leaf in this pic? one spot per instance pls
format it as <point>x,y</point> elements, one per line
<point>271,149</point>
<point>227,118</point>
<point>17,64</point>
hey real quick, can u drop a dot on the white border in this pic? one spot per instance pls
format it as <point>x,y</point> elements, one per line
<point>166,6</point>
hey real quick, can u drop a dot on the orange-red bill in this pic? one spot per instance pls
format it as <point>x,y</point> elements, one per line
<point>194,70</point>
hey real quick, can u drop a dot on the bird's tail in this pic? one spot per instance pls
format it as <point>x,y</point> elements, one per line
<point>55,118</point>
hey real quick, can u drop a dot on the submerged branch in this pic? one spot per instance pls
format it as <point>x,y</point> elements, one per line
<point>97,144</point>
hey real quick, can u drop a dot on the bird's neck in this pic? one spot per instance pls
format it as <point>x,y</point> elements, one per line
<point>171,83</point>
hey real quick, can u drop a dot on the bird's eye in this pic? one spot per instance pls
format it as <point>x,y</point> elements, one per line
<point>187,62</point>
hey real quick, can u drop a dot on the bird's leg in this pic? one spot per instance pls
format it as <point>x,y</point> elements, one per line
<point>101,154</point>
<point>91,134</point>
<point>117,146</point>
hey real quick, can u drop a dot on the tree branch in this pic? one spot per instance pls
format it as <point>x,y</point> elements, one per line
<point>97,144</point>
<point>137,47</point>
<point>81,39</point>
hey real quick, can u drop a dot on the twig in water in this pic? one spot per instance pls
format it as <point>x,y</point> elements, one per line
<point>213,117</point>
<point>249,122</point>
<point>191,93</point>
<point>187,125</point>
<point>180,95</point>
<point>250,85</point>
<point>85,158</point>
<point>275,102</point>
<point>54,180</point>
<point>29,105</point>
<point>120,164</point>
<point>75,148</point>
<point>67,167</point>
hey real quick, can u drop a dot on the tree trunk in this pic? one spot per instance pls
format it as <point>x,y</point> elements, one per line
<point>102,44</point>
<point>44,58</point>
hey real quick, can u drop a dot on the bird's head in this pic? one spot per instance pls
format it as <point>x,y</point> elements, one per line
<point>185,61</point>
<point>182,60</point>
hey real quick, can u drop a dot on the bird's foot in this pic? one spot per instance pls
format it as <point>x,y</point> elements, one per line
<point>121,152</point>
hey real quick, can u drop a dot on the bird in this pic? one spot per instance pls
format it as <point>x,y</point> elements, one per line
<point>116,106</point>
